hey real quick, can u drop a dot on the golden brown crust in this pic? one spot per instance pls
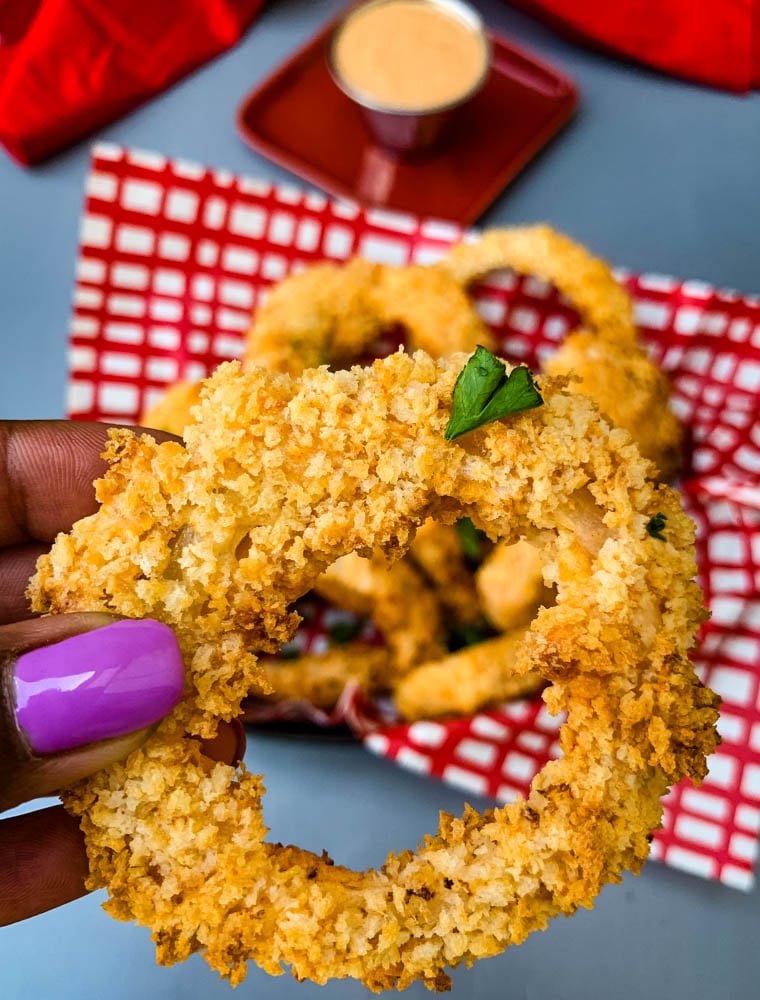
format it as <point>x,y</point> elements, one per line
<point>399,602</point>
<point>464,681</point>
<point>332,314</point>
<point>279,478</point>
<point>605,354</point>
<point>603,304</point>
<point>173,412</point>
<point>629,388</point>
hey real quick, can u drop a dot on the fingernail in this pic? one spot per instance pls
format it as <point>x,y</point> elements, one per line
<point>97,685</point>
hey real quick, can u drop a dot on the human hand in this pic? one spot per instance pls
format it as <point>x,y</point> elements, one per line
<point>77,691</point>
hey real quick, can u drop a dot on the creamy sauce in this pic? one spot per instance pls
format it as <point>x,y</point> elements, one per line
<point>408,55</point>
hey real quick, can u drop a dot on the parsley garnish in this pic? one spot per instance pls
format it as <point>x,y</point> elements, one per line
<point>655,526</point>
<point>344,631</point>
<point>470,538</point>
<point>484,392</point>
<point>469,634</point>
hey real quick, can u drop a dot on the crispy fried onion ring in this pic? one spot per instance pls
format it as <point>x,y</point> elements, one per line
<point>399,602</point>
<point>173,411</point>
<point>603,304</point>
<point>329,311</point>
<point>606,355</point>
<point>333,313</point>
<point>463,681</point>
<point>605,359</point>
<point>279,478</point>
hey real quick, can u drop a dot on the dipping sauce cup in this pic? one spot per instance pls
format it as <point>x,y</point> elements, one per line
<point>410,65</point>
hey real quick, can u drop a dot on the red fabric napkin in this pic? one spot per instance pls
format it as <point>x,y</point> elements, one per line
<point>715,42</point>
<point>69,66</point>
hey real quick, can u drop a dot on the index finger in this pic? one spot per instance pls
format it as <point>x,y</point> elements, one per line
<point>47,471</point>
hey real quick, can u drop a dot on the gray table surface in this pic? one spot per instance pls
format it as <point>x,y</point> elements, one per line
<point>654,174</point>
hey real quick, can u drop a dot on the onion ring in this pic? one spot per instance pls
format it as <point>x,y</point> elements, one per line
<point>332,314</point>
<point>398,601</point>
<point>604,305</point>
<point>464,681</point>
<point>278,479</point>
<point>606,360</point>
<point>437,551</point>
<point>320,679</point>
<point>173,411</point>
<point>629,388</point>
<point>606,356</point>
<point>510,585</point>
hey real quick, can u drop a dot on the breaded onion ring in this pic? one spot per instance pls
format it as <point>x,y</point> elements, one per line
<point>629,388</point>
<point>604,305</point>
<point>172,412</point>
<point>279,478</point>
<point>397,600</point>
<point>332,314</point>
<point>437,550</point>
<point>606,360</point>
<point>466,680</point>
<point>320,679</point>
<point>510,585</point>
<point>611,366</point>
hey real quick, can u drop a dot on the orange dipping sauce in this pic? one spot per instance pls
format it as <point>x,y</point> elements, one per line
<point>409,55</point>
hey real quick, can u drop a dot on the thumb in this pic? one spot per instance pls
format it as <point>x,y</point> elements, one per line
<point>77,692</point>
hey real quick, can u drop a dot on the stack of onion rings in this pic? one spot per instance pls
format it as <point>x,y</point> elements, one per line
<point>333,314</point>
<point>278,479</point>
<point>605,352</point>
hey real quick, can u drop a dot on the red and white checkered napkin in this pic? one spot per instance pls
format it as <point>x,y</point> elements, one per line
<point>174,258</point>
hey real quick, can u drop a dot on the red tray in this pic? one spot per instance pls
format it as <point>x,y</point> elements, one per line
<point>298,118</point>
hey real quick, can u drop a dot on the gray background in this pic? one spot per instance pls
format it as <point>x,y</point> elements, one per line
<point>655,175</point>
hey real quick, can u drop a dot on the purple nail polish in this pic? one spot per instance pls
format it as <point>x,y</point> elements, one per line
<point>97,685</point>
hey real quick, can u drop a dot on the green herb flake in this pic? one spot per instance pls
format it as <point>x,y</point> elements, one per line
<point>469,634</point>
<point>344,631</point>
<point>290,651</point>
<point>470,538</point>
<point>655,526</point>
<point>484,392</point>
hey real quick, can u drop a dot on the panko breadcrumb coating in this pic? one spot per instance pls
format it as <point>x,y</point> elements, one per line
<point>279,478</point>
<point>332,314</point>
<point>604,305</point>
<point>629,389</point>
<point>465,680</point>
<point>335,314</point>
<point>173,411</point>
<point>605,354</point>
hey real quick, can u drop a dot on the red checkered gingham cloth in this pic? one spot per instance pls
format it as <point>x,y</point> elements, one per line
<point>174,258</point>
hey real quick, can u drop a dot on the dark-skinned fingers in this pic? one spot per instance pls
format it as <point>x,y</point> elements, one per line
<point>17,565</point>
<point>79,692</point>
<point>47,471</point>
<point>43,863</point>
